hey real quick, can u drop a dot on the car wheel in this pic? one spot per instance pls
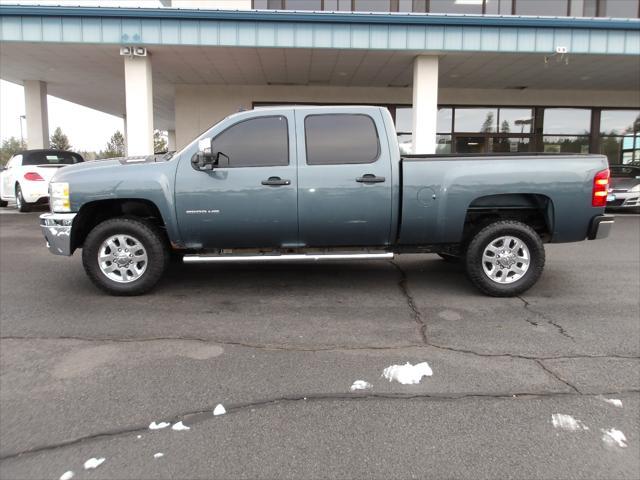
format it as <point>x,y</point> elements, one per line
<point>505,258</point>
<point>20,202</point>
<point>125,256</point>
<point>447,257</point>
<point>3,203</point>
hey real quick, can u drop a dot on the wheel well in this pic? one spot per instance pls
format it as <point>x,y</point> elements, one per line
<point>93,213</point>
<point>531,209</point>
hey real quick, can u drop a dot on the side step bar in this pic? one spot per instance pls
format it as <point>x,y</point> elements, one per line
<point>284,258</point>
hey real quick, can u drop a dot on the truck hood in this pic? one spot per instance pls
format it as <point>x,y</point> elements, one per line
<point>101,166</point>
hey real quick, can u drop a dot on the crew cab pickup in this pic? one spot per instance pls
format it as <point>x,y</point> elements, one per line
<point>322,183</point>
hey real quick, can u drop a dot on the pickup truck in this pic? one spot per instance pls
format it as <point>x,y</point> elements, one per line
<point>322,183</point>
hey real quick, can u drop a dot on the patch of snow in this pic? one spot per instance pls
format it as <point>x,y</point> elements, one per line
<point>567,422</point>
<point>158,426</point>
<point>407,374</point>
<point>360,385</point>
<point>180,426</point>
<point>219,410</point>
<point>614,401</point>
<point>158,455</point>
<point>93,463</point>
<point>68,475</point>
<point>614,437</point>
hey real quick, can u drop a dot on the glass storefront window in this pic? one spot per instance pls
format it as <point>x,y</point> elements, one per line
<point>337,5</point>
<point>619,122</point>
<point>621,150</point>
<point>455,6</point>
<point>509,144</point>
<point>515,120</point>
<point>405,142</point>
<point>444,122</point>
<point>619,9</point>
<point>303,4</point>
<point>498,7</point>
<point>567,121</point>
<point>443,144</point>
<point>371,6</point>
<point>555,8</point>
<point>404,119</point>
<point>476,119</point>
<point>565,144</point>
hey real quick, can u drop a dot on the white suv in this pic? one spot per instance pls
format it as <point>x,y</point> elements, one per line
<point>26,177</point>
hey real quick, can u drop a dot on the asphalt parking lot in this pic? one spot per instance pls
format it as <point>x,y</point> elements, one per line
<point>84,374</point>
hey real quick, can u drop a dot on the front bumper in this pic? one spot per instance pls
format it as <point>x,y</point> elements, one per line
<point>56,228</point>
<point>601,227</point>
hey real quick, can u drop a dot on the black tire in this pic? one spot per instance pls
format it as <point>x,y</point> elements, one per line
<point>23,206</point>
<point>482,239</point>
<point>447,257</point>
<point>151,239</point>
<point>3,203</point>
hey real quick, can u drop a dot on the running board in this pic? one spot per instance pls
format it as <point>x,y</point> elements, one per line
<point>284,258</point>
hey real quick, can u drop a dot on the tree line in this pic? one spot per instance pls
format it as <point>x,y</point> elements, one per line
<point>115,147</point>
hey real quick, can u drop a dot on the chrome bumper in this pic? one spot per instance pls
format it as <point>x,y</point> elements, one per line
<point>56,228</point>
<point>601,227</point>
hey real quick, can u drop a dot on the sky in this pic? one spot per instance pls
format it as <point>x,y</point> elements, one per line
<point>86,128</point>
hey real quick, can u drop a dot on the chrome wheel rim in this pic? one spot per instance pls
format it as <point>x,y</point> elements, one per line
<point>122,258</point>
<point>506,259</point>
<point>18,198</point>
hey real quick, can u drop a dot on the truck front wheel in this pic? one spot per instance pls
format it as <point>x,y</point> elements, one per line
<point>505,258</point>
<point>125,256</point>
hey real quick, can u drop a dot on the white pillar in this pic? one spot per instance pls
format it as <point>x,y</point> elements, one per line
<point>171,140</point>
<point>35,100</point>
<point>139,105</point>
<point>425,103</point>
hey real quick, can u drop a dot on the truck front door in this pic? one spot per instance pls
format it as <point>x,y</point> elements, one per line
<point>344,178</point>
<point>249,199</point>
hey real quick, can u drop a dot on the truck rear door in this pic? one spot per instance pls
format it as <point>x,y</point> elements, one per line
<point>344,178</point>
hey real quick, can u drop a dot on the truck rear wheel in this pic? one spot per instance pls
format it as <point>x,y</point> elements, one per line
<point>505,258</point>
<point>125,256</point>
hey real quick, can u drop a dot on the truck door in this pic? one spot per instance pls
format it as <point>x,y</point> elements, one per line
<point>344,178</point>
<point>249,199</point>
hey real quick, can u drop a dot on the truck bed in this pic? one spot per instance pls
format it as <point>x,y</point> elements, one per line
<point>438,191</point>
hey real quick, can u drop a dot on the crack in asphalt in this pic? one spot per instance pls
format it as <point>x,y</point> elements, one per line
<point>550,321</point>
<point>327,348</point>
<point>557,376</point>
<point>415,311</point>
<point>201,415</point>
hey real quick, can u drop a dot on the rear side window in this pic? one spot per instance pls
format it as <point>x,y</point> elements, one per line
<point>51,158</point>
<point>335,139</point>
<point>257,142</point>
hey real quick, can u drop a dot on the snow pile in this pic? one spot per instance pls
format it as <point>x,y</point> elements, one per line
<point>68,475</point>
<point>567,422</point>
<point>157,426</point>
<point>158,455</point>
<point>360,385</point>
<point>93,463</point>
<point>614,437</point>
<point>219,410</point>
<point>614,401</point>
<point>180,426</point>
<point>407,374</point>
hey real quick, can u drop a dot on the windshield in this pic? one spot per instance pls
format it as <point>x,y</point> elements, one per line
<point>51,158</point>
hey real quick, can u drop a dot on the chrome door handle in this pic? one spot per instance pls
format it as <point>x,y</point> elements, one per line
<point>370,178</point>
<point>275,181</point>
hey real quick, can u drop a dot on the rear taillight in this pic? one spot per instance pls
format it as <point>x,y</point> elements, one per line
<point>600,189</point>
<point>33,177</point>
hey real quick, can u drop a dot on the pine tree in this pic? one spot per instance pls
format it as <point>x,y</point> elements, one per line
<point>115,146</point>
<point>10,146</point>
<point>59,141</point>
<point>159,142</point>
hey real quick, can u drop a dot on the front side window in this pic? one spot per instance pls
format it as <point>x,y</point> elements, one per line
<point>257,142</point>
<point>341,139</point>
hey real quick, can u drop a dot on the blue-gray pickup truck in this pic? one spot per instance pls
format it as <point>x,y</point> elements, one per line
<point>322,183</point>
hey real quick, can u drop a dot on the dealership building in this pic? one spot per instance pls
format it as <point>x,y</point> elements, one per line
<point>458,76</point>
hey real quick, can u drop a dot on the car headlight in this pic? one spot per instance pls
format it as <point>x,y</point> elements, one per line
<point>59,197</point>
<point>635,188</point>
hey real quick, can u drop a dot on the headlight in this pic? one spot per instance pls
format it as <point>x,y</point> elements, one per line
<point>635,188</point>
<point>59,197</point>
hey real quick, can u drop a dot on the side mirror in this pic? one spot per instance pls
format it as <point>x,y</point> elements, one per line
<point>203,161</point>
